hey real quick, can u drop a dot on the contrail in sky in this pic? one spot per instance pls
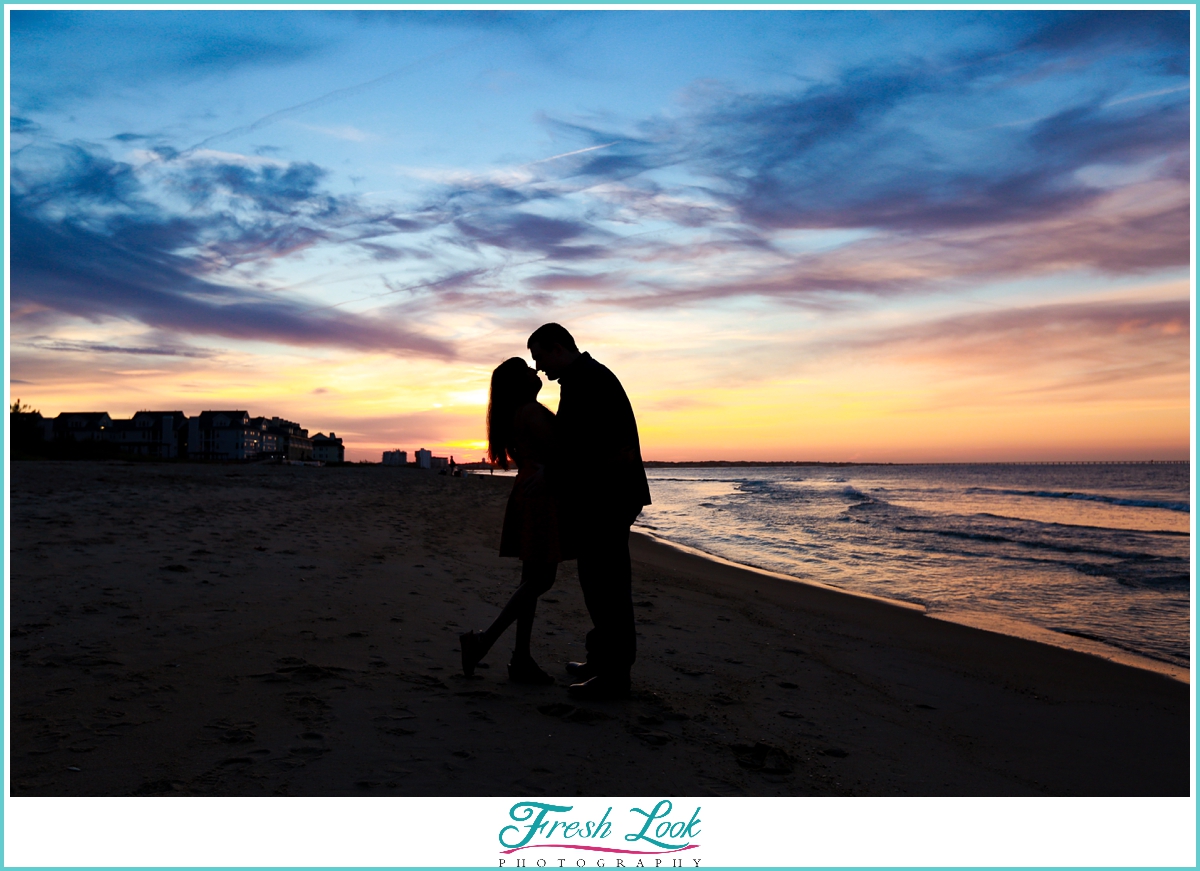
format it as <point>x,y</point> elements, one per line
<point>569,153</point>
<point>332,96</point>
<point>1147,95</point>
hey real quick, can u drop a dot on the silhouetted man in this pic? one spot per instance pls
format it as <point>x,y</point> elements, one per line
<point>602,487</point>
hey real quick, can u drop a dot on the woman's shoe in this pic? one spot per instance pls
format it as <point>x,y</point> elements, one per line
<point>527,671</point>
<point>469,644</point>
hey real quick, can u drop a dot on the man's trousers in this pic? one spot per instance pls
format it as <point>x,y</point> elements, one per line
<point>607,581</point>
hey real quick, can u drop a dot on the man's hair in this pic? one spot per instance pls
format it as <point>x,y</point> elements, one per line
<point>549,335</point>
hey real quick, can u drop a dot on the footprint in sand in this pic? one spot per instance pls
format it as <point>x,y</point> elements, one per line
<point>763,757</point>
<point>653,737</point>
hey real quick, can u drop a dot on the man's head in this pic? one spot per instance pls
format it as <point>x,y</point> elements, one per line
<point>553,349</point>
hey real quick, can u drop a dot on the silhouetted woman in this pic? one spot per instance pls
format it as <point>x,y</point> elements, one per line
<point>521,429</point>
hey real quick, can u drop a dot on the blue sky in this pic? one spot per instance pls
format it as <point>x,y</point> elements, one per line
<point>788,232</point>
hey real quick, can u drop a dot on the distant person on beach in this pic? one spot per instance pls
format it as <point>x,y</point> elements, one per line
<point>521,430</point>
<point>603,489</point>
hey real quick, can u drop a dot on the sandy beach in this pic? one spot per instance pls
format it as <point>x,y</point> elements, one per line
<point>268,630</point>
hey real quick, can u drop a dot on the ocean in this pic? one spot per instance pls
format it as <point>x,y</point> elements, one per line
<point>1099,552</point>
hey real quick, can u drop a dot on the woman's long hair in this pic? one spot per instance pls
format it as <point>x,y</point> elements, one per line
<point>511,388</point>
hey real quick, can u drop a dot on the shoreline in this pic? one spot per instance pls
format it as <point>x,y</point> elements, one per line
<point>982,621</point>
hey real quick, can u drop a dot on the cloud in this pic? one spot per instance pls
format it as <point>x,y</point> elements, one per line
<point>75,174</point>
<point>675,403</point>
<point>389,253</point>
<point>1137,229</point>
<point>906,154</point>
<point>1094,134</point>
<point>43,343</point>
<point>521,231</point>
<point>411,431</point>
<point>1158,321</point>
<point>84,274</point>
<point>573,281</point>
<point>1088,347</point>
<point>88,242</point>
<point>833,156</point>
<point>268,187</point>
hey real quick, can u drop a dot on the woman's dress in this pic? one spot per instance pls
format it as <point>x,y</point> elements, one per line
<point>533,525</point>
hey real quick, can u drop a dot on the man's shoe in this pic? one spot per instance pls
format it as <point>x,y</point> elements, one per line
<point>581,670</point>
<point>600,688</point>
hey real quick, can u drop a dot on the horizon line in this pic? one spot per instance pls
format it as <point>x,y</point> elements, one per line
<point>913,462</point>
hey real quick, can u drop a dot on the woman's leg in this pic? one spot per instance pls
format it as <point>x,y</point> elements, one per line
<point>536,578</point>
<point>539,577</point>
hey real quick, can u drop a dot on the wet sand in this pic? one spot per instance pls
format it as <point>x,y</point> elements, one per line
<point>267,630</point>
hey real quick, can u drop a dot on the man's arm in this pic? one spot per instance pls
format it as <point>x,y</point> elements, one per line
<point>624,449</point>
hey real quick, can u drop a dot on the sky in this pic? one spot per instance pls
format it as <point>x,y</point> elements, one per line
<point>875,236</point>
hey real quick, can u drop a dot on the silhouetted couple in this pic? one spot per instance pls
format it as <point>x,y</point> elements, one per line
<point>580,485</point>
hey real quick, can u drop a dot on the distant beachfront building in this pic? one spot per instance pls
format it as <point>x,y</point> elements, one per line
<point>82,426</point>
<point>159,434</point>
<point>268,439</point>
<point>426,460</point>
<point>395,458</point>
<point>328,449</point>
<point>294,443</point>
<point>223,435</point>
<point>212,435</point>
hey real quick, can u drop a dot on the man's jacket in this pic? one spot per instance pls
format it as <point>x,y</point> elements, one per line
<point>600,469</point>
